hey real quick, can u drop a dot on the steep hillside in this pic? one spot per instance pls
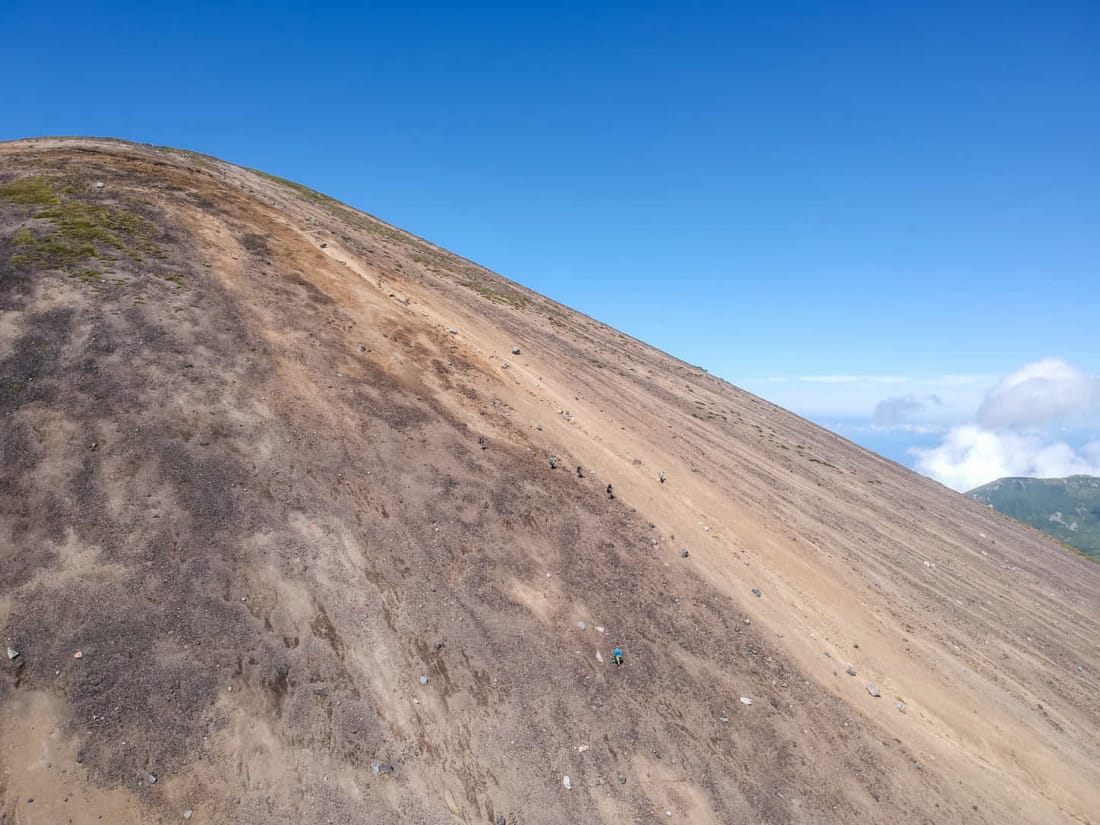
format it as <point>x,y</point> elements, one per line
<point>1066,508</point>
<point>278,527</point>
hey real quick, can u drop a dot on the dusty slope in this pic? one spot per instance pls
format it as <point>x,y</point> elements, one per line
<point>241,475</point>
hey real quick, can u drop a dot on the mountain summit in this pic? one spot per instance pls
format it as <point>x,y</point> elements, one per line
<point>282,541</point>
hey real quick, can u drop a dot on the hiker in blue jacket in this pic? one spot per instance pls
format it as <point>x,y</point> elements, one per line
<point>617,655</point>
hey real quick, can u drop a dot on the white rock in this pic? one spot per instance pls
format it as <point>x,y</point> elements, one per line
<point>581,626</point>
<point>745,700</point>
<point>567,782</point>
<point>12,652</point>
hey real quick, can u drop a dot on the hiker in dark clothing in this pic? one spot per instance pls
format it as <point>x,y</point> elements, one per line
<point>610,495</point>
<point>662,476</point>
<point>580,471</point>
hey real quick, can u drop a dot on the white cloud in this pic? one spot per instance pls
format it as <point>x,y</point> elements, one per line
<point>853,379</point>
<point>1039,393</point>
<point>1015,434</point>
<point>971,456</point>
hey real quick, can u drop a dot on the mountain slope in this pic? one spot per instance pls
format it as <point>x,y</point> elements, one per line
<point>243,478</point>
<point>1066,508</point>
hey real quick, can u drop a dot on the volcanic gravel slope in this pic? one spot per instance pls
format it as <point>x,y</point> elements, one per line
<point>242,477</point>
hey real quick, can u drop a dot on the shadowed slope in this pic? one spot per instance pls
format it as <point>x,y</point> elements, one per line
<point>242,477</point>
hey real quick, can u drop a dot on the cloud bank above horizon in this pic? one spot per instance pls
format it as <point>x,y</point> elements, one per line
<point>1019,430</point>
<point>963,430</point>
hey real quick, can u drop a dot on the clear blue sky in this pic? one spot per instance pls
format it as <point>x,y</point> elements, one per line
<point>765,189</point>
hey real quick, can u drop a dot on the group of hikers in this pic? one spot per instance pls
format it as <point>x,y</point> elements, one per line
<point>617,653</point>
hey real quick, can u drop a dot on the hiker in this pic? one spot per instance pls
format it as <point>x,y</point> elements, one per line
<point>481,441</point>
<point>617,655</point>
<point>580,471</point>
<point>610,495</point>
<point>553,461</point>
<point>661,476</point>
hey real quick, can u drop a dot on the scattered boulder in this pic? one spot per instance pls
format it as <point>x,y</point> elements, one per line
<point>382,768</point>
<point>851,671</point>
<point>12,652</point>
<point>79,654</point>
<point>451,330</point>
<point>515,350</point>
<point>745,700</point>
<point>567,783</point>
<point>324,246</point>
<point>873,690</point>
<point>756,592</point>
<point>187,814</point>
<point>902,707</point>
<point>581,626</point>
<point>151,779</point>
<point>423,680</point>
<point>99,184</point>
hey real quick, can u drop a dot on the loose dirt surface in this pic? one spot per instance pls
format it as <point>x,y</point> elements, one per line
<point>242,477</point>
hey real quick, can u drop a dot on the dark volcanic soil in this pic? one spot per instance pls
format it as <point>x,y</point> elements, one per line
<point>242,478</point>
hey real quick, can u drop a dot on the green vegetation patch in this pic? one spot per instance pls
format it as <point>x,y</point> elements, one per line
<point>498,294</point>
<point>75,230</point>
<point>304,191</point>
<point>1067,509</point>
<point>29,191</point>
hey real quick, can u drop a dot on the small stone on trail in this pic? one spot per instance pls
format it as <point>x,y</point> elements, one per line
<point>874,691</point>
<point>79,654</point>
<point>684,553</point>
<point>12,652</point>
<point>324,246</point>
<point>745,700</point>
<point>902,707</point>
<point>382,767</point>
<point>152,779</point>
<point>515,350</point>
<point>599,656</point>
<point>99,184</point>
<point>187,814</point>
<point>567,782</point>
<point>452,331</point>
<point>423,680</point>
<point>851,671</point>
<point>756,592</point>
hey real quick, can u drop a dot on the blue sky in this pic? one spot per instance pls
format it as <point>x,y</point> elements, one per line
<point>855,191</point>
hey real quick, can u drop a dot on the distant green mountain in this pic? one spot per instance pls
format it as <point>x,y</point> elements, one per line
<point>1066,508</point>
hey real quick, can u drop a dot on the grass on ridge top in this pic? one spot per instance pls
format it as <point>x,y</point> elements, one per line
<point>77,229</point>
